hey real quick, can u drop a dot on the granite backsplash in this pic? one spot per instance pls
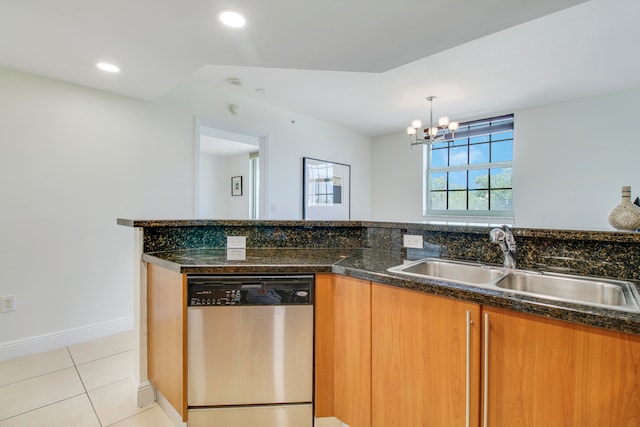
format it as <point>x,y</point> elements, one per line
<point>595,253</point>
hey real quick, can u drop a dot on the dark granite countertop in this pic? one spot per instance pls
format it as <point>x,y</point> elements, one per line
<point>372,265</point>
<point>267,260</point>
<point>471,228</point>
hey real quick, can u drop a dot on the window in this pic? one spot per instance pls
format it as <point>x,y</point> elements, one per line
<point>472,174</point>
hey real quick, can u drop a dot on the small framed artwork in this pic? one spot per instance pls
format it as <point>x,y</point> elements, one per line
<point>326,190</point>
<point>236,186</point>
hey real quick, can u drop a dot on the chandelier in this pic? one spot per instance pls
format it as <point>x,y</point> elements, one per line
<point>443,132</point>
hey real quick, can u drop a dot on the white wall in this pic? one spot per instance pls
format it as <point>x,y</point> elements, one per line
<point>214,182</point>
<point>291,136</point>
<point>216,200</point>
<point>396,179</point>
<point>75,159</point>
<point>570,160</point>
<point>239,205</point>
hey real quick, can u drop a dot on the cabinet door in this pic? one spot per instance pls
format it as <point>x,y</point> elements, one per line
<point>166,335</point>
<point>352,351</point>
<point>421,358</point>
<point>324,346</point>
<point>544,372</point>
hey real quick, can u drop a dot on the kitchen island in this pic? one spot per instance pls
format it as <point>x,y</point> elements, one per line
<point>350,258</point>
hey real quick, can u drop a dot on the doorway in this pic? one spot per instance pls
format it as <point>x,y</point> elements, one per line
<point>230,172</point>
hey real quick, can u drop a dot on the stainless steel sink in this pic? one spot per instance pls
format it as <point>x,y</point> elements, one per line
<point>615,294</point>
<point>451,271</point>
<point>603,293</point>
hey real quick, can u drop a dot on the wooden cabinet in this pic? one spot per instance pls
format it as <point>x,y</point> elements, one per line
<point>387,356</point>
<point>324,346</point>
<point>544,372</point>
<point>352,351</point>
<point>425,360</point>
<point>343,349</point>
<point>167,335</point>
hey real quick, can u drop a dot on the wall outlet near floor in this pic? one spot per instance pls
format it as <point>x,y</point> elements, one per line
<point>413,241</point>
<point>8,303</point>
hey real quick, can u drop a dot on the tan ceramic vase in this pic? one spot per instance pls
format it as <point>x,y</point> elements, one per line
<point>625,216</point>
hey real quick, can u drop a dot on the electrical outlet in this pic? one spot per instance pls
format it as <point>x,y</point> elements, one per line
<point>413,241</point>
<point>236,254</point>
<point>236,242</point>
<point>8,303</point>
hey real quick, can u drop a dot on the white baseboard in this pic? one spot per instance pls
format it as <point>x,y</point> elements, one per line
<point>327,422</point>
<point>169,410</point>
<point>41,343</point>
<point>143,393</point>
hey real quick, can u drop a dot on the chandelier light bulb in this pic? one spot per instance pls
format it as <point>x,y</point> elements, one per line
<point>411,130</point>
<point>433,132</point>
<point>443,121</point>
<point>453,126</point>
<point>416,124</point>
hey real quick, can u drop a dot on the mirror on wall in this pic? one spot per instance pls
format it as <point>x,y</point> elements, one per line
<point>230,172</point>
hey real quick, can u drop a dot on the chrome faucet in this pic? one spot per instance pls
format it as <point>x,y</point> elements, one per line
<point>507,242</point>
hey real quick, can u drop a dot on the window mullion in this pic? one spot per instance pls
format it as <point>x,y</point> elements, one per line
<point>479,166</point>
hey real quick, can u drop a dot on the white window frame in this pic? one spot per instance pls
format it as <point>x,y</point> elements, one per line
<point>461,215</point>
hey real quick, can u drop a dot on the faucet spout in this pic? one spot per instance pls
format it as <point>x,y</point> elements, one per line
<point>504,238</point>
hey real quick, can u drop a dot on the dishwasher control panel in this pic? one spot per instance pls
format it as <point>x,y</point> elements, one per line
<point>204,296</point>
<point>249,290</point>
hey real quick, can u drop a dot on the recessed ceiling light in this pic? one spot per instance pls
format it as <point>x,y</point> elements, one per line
<point>105,66</point>
<point>232,19</point>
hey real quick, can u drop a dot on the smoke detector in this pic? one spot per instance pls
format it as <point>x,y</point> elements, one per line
<point>234,81</point>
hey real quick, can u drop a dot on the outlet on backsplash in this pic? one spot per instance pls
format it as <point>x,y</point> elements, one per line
<point>236,248</point>
<point>236,241</point>
<point>413,241</point>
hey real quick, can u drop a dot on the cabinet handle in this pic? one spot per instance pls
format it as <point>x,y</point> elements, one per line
<point>468,373</point>
<point>485,395</point>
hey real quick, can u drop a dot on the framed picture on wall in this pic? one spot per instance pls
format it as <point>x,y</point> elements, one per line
<point>326,190</point>
<point>236,186</point>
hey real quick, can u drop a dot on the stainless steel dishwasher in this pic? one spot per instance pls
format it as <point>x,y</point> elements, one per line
<point>250,350</point>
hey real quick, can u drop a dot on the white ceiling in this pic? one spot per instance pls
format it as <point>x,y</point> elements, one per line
<point>363,64</point>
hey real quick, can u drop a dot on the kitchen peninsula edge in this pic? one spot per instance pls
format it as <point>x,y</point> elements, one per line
<point>365,249</point>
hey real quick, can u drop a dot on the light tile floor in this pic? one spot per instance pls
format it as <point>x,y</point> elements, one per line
<point>87,384</point>
<point>83,385</point>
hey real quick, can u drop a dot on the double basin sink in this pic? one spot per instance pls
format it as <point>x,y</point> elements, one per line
<point>596,292</point>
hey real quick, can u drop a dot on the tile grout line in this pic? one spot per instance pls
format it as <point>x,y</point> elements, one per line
<point>86,392</point>
<point>75,365</point>
<point>101,358</point>
<point>36,376</point>
<point>41,407</point>
<point>130,416</point>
